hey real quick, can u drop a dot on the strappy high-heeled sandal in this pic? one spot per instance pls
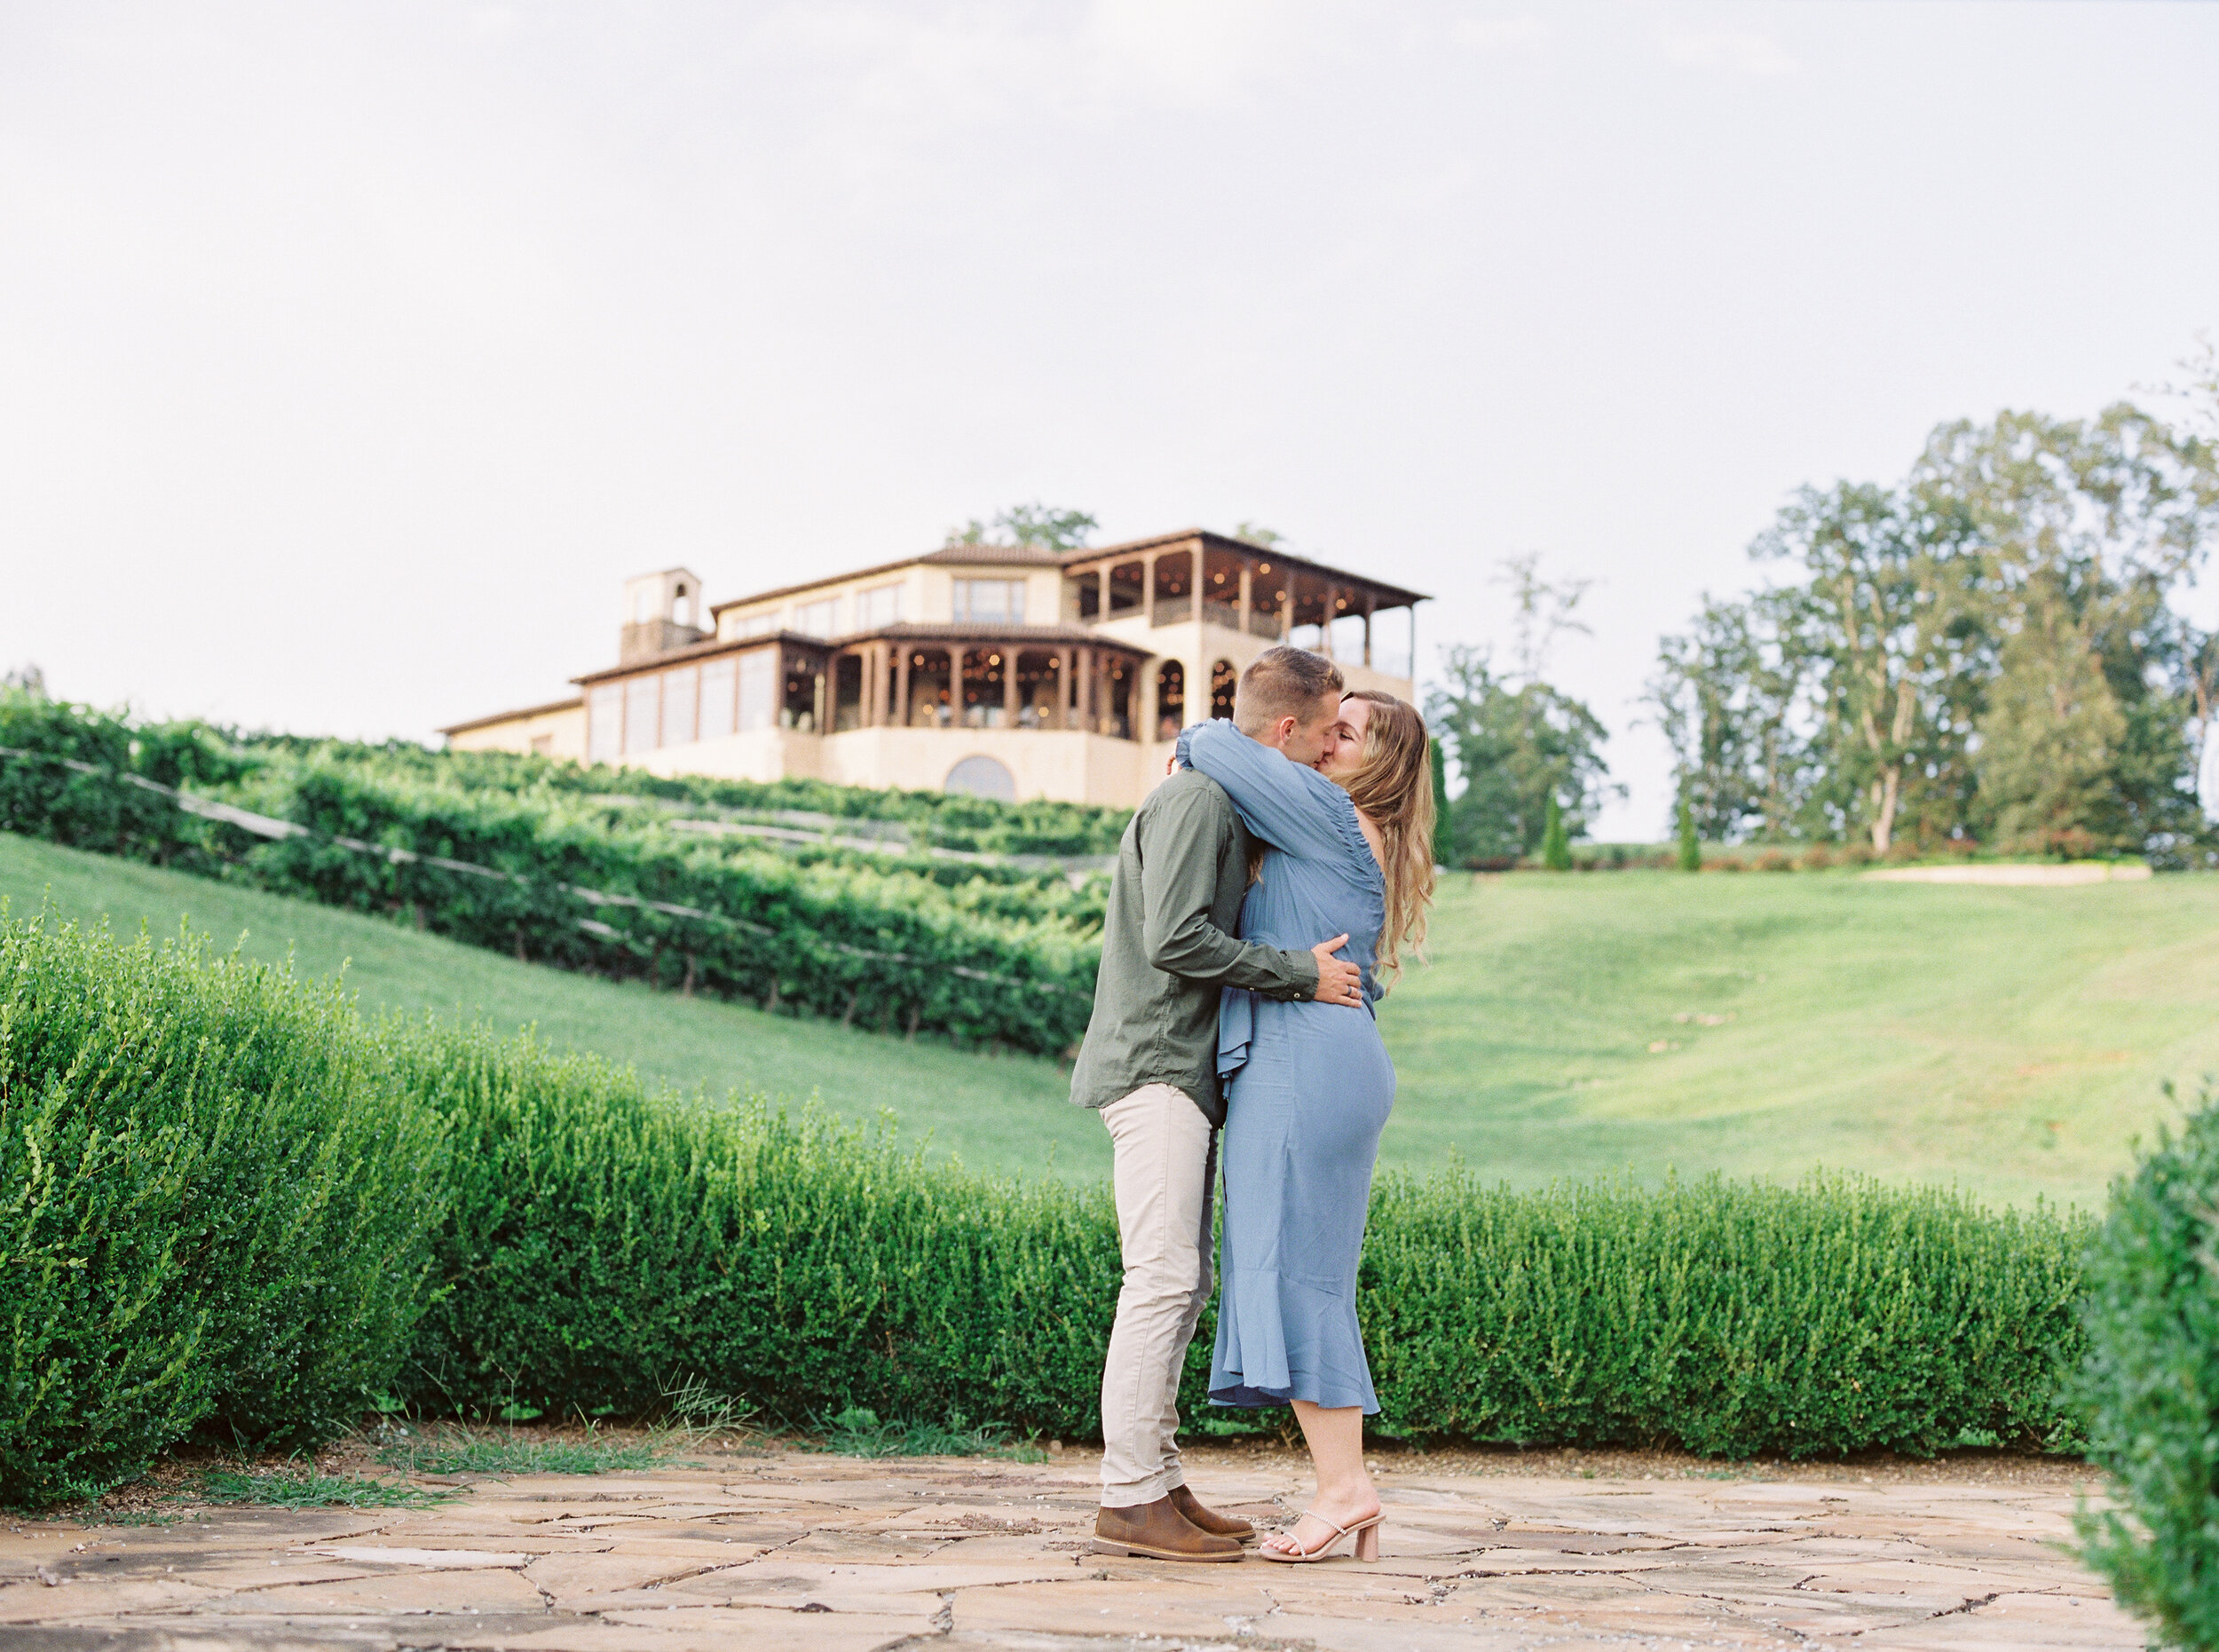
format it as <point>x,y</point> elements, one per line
<point>1365,1531</point>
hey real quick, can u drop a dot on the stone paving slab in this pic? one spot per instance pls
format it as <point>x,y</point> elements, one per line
<point>816,1553</point>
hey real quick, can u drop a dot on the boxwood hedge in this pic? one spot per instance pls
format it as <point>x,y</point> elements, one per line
<point>214,1206</point>
<point>2151,1385</point>
<point>225,1203</point>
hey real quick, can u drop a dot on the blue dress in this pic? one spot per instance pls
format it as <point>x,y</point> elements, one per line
<point>1309,1086</point>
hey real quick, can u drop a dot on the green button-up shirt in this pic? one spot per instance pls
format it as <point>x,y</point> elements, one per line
<point>1168,946</point>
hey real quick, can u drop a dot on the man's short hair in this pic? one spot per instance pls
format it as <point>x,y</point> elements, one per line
<point>1284,682</point>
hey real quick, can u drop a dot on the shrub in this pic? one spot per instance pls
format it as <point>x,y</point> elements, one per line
<point>220,1196</point>
<point>1817,857</point>
<point>213,1206</point>
<point>1556,848</point>
<point>582,879</point>
<point>1729,1318</point>
<point>2149,1385</point>
<point>1775,860</point>
<point>604,1246</point>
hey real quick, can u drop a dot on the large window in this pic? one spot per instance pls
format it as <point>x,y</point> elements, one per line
<point>643,713</point>
<point>604,723</point>
<point>716,697</point>
<point>997,602</point>
<point>758,688</point>
<point>681,691</point>
<point>752,625</point>
<point>817,619</point>
<point>880,606</point>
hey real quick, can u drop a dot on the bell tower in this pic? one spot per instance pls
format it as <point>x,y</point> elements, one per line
<point>661,611</point>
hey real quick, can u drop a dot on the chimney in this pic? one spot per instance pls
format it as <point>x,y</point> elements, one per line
<point>660,614</point>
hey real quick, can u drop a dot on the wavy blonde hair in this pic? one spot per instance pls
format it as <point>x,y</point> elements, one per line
<point>1392,783</point>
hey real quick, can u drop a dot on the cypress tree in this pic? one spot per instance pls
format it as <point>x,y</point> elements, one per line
<point>1556,848</point>
<point>1444,833</point>
<point>1690,851</point>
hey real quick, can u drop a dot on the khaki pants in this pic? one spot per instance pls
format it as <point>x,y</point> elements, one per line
<point>1164,1157</point>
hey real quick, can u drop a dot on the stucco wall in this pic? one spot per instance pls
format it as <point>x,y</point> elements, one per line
<point>564,729</point>
<point>1069,766</point>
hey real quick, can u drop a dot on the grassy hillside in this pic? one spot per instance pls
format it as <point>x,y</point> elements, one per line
<point>1008,1112</point>
<point>2010,1039</point>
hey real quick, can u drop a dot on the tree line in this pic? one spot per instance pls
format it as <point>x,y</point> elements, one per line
<point>1987,653</point>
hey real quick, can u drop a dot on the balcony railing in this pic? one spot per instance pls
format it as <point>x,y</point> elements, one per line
<point>1173,610</point>
<point>1225,613</point>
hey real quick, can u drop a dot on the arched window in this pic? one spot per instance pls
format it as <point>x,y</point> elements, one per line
<point>982,776</point>
<point>1223,681</point>
<point>1170,700</point>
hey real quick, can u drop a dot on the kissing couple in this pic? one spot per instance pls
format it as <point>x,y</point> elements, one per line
<point>1262,894</point>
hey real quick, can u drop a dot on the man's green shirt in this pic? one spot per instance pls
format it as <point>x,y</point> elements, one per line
<point>1168,947</point>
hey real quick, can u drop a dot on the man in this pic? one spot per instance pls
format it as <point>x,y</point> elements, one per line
<point>1149,1064</point>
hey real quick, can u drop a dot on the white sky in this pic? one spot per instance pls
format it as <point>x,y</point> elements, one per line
<point>352,357</point>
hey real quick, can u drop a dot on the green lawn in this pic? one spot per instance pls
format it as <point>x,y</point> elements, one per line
<point>1009,1112</point>
<point>2009,1039</point>
<point>2012,1040</point>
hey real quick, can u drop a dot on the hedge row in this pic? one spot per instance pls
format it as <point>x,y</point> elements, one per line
<point>216,1205</point>
<point>944,820</point>
<point>225,1203</point>
<point>833,938</point>
<point>615,1244</point>
<point>2150,1385</point>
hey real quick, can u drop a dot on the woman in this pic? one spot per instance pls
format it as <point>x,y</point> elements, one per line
<point>1349,848</point>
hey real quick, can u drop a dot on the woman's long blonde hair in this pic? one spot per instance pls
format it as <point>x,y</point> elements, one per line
<point>1392,783</point>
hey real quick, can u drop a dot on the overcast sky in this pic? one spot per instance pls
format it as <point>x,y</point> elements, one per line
<point>352,357</point>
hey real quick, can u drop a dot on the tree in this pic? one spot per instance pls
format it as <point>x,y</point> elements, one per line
<point>1515,747</point>
<point>1541,608</point>
<point>28,678</point>
<point>2079,530</point>
<point>1444,828</point>
<point>1556,848</point>
<point>1256,534</point>
<point>1035,524</point>
<point>1883,628</point>
<point>1690,856</point>
<point>1985,649</point>
<point>1736,701</point>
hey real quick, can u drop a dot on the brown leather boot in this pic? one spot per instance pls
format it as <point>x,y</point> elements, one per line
<point>1208,1519</point>
<point>1160,1531</point>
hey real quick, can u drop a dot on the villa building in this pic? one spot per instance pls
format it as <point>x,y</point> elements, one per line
<point>1007,671</point>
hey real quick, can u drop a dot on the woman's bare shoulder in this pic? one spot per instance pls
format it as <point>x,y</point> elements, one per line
<point>1370,830</point>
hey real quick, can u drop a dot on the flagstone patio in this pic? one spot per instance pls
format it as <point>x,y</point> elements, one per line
<point>818,1553</point>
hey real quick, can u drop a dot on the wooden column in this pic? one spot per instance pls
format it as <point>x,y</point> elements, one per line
<point>1325,627</point>
<point>1199,590</point>
<point>1009,688</point>
<point>1248,576</point>
<point>1147,586</point>
<point>1063,686</point>
<point>1369,601</point>
<point>1085,687</point>
<point>1101,611</point>
<point>901,687</point>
